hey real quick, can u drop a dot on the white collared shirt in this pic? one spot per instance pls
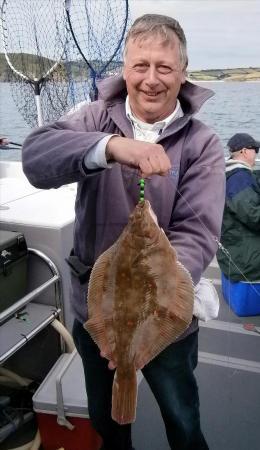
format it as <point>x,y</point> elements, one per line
<point>150,132</point>
<point>96,157</point>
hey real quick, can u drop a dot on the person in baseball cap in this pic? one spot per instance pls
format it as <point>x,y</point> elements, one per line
<point>240,146</point>
<point>240,234</point>
<point>242,140</point>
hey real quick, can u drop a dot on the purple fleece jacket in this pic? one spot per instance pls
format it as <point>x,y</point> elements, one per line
<point>188,202</point>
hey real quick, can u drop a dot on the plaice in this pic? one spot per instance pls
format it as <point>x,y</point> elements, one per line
<point>140,299</point>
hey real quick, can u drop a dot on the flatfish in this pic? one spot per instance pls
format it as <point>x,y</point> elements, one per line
<point>140,299</point>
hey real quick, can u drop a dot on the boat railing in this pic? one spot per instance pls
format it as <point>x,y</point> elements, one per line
<point>25,319</point>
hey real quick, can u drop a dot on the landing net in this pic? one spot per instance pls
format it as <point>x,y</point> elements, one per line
<point>98,28</point>
<point>34,37</point>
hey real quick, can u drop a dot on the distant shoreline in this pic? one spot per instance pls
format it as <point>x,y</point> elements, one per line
<point>237,74</point>
<point>192,80</point>
<point>79,71</point>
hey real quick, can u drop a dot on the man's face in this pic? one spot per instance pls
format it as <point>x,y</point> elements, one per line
<point>153,75</point>
<point>250,154</point>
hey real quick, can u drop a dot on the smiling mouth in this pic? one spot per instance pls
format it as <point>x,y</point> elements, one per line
<point>151,94</point>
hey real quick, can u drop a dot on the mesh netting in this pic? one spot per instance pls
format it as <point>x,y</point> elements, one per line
<point>98,28</point>
<point>57,49</point>
<point>34,37</point>
<point>55,98</point>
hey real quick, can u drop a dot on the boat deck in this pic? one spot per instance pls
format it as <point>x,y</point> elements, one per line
<point>228,376</point>
<point>228,372</point>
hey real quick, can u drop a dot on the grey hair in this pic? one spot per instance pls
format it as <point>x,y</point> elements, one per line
<point>157,24</point>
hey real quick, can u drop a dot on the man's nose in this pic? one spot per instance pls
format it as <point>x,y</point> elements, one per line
<point>151,76</point>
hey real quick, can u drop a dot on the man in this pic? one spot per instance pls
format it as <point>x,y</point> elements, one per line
<point>142,124</point>
<point>240,233</point>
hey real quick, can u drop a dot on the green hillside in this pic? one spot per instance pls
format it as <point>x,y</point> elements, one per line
<point>31,64</point>
<point>237,74</point>
<point>34,66</point>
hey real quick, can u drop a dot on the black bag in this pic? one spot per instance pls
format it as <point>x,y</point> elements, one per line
<point>78,269</point>
<point>13,268</point>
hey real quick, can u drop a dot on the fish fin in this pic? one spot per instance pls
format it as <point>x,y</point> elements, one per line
<point>184,296</point>
<point>158,332</point>
<point>100,304</point>
<point>124,396</point>
<point>98,282</point>
<point>166,324</point>
<point>97,330</point>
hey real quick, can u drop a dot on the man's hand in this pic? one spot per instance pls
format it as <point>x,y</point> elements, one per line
<point>148,158</point>
<point>111,364</point>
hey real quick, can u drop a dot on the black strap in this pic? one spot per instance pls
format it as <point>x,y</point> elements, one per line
<point>78,269</point>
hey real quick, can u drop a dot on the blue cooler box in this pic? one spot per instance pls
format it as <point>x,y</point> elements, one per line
<point>243,298</point>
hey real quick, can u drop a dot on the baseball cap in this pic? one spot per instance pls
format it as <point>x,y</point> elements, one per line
<point>242,140</point>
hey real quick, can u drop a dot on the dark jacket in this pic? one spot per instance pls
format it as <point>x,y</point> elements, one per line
<point>240,233</point>
<point>188,202</point>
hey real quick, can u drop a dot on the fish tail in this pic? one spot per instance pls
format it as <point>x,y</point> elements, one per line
<point>124,396</point>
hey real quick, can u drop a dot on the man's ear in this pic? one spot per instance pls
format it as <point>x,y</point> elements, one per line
<point>123,72</point>
<point>184,72</point>
<point>183,76</point>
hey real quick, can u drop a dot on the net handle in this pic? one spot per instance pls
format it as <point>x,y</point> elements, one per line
<point>93,72</point>
<point>37,83</point>
<point>122,36</point>
<point>67,4</point>
<point>20,74</point>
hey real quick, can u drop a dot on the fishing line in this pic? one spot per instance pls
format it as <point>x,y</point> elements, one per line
<point>220,246</point>
<point>249,327</point>
<point>230,260</point>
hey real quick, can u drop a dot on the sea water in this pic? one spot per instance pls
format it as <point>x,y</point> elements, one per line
<point>234,108</point>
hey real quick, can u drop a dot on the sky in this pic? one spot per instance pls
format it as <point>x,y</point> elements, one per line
<point>220,33</point>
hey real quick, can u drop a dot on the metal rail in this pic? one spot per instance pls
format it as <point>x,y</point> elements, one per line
<point>52,312</point>
<point>10,312</point>
<point>23,339</point>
